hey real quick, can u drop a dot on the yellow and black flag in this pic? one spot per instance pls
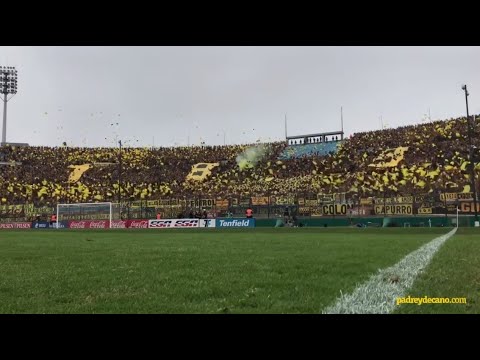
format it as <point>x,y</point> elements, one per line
<point>201,171</point>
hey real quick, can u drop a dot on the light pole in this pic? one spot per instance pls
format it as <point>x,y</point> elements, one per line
<point>472,160</point>
<point>457,216</point>
<point>8,85</point>
<point>223,137</point>
<point>120,178</point>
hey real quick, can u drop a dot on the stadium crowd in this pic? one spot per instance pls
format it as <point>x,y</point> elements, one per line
<point>411,159</point>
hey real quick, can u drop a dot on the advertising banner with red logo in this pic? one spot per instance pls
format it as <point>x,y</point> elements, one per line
<point>137,224</point>
<point>104,224</point>
<point>21,225</point>
<point>119,224</point>
<point>89,224</point>
<point>129,224</point>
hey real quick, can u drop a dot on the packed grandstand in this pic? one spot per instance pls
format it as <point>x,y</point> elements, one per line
<point>417,169</point>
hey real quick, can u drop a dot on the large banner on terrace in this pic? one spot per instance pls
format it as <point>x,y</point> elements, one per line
<point>449,197</point>
<point>282,200</point>
<point>240,202</point>
<point>394,200</point>
<point>468,207</point>
<point>259,200</point>
<point>334,209</point>
<point>403,209</point>
<point>195,203</point>
<point>425,210</point>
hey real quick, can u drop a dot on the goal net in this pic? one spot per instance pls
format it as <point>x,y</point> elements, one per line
<point>87,211</point>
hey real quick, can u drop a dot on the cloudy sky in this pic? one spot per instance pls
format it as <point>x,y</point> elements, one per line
<point>167,96</point>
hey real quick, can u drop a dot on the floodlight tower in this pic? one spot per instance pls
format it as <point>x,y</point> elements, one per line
<point>119,172</point>
<point>8,86</point>
<point>471,156</point>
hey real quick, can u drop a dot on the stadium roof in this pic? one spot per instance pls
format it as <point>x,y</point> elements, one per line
<point>13,144</point>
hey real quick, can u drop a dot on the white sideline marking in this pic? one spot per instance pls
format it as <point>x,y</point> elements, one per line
<point>379,293</point>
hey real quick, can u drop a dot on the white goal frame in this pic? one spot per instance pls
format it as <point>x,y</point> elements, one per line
<point>90,204</point>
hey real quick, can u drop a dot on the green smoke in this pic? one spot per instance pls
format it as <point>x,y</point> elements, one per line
<point>251,156</point>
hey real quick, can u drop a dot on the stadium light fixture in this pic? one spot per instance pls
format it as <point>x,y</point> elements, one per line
<point>472,160</point>
<point>8,86</point>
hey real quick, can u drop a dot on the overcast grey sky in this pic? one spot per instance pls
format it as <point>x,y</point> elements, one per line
<point>172,95</point>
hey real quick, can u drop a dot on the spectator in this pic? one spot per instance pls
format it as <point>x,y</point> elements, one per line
<point>365,164</point>
<point>53,220</point>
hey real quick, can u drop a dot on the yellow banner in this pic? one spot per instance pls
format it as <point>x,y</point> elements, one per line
<point>136,204</point>
<point>167,202</point>
<point>259,200</point>
<point>221,204</point>
<point>325,198</point>
<point>11,209</point>
<point>244,201</point>
<point>366,201</point>
<point>77,172</point>
<point>311,202</point>
<point>395,200</point>
<point>282,200</point>
<point>403,199</point>
<point>404,209</point>
<point>30,210</point>
<point>448,196</point>
<point>337,209</point>
<point>465,196</point>
<point>425,210</point>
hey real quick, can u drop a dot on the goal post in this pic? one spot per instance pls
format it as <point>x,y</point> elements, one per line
<point>85,211</point>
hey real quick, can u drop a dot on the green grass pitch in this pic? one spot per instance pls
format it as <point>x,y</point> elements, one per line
<point>280,270</point>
